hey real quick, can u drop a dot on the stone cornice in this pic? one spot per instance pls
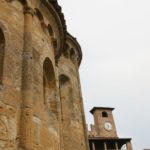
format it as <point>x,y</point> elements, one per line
<point>58,9</point>
<point>77,45</point>
<point>28,10</point>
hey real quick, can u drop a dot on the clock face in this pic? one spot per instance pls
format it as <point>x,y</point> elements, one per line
<point>108,126</point>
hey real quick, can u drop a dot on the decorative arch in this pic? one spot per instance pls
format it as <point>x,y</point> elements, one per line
<point>39,14</point>
<point>52,36</point>
<point>69,120</point>
<point>40,17</point>
<point>72,55</point>
<point>74,43</point>
<point>2,51</point>
<point>56,11</point>
<point>66,95</point>
<point>46,27</point>
<point>66,50</point>
<point>49,86</point>
<point>50,30</point>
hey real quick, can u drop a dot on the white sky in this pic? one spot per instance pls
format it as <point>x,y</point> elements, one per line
<point>115,71</point>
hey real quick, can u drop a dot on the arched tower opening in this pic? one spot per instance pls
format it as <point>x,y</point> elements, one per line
<point>2,50</point>
<point>49,86</point>
<point>104,114</point>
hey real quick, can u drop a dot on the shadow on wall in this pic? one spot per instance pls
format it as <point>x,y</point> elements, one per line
<point>49,86</point>
<point>2,47</point>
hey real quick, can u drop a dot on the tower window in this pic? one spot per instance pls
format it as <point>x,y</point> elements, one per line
<point>104,114</point>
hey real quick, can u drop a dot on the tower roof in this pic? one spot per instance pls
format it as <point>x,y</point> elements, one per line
<point>100,108</point>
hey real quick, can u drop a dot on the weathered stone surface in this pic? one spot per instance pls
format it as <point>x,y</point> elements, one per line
<point>8,126</point>
<point>40,96</point>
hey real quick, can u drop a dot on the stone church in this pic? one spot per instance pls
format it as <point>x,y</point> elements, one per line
<point>41,105</point>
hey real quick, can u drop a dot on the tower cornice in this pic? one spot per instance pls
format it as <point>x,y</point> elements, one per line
<point>100,108</point>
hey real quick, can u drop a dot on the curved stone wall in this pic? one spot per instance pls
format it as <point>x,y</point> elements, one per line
<point>40,96</point>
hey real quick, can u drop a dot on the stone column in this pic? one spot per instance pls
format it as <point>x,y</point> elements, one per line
<point>85,130</point>
<point>59,110</point>
<point>116,146</point>
<point>93,146</point>
<point>105,146</point>
<point>26,126</point>
<point>129,146</point>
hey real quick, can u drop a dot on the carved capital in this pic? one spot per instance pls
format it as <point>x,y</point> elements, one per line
<point>28,10</point>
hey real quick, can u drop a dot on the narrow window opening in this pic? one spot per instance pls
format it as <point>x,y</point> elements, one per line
<point>104,114</point>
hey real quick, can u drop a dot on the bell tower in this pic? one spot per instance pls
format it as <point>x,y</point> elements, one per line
<point>104,122</point>
<point>103,134</point>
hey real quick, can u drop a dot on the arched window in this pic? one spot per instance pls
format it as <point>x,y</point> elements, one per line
<point>2,47</point>
<point>104,114</point>
<point>49,86</point>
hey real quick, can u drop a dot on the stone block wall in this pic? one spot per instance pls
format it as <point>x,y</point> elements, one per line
<point>41,105</point>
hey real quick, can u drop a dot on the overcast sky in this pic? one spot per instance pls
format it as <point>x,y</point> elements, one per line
<point>115,71</point>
